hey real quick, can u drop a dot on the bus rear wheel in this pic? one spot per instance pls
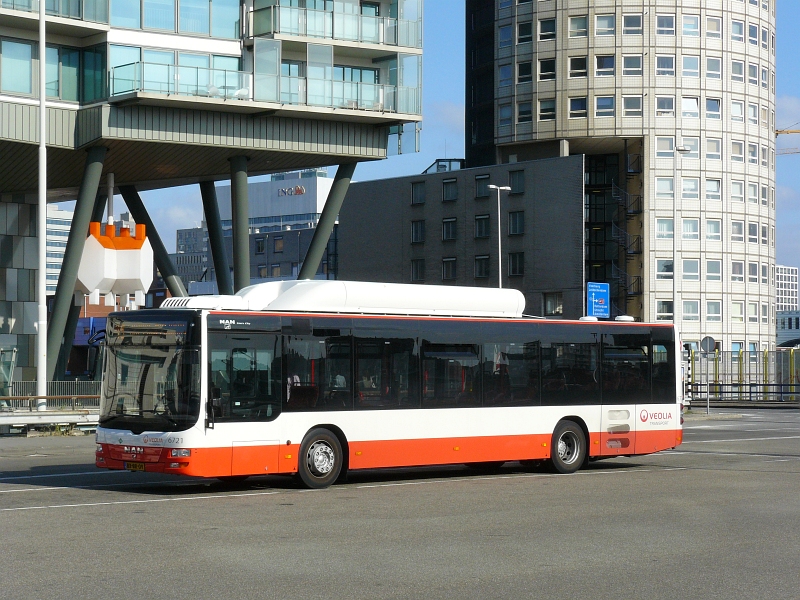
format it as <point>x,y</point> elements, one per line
<point>321,458</point>
<point>568,448</point>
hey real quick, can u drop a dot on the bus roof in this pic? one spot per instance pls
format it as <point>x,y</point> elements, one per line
<point>361,297</point>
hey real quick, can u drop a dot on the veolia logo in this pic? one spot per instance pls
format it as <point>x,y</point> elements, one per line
<point>643,416</point>
<point>297,190</point>
<point>655,416</point>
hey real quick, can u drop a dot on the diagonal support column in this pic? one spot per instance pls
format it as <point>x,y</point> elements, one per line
<point>99,209</point>
<point>211,209</point>
<point>65,288</point>
<point>240,212</point>
<point>69,338</point>
<point>333,204</point>
<point>160,254</point>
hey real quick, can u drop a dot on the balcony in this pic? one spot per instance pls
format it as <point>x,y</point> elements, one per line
<point>306,91</point>
<point>289,20</point>
<point>204,85</point>
<point>88,10</point>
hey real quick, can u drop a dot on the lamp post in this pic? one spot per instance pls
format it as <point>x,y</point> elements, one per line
<point>675,229</point>
<point>499,234</point>
<point>41,227</point>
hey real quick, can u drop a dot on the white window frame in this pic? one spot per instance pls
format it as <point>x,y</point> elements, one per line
<point>606,111</point>
<point>663,26</point>
<point>711,153</point>
<point>605,29</point>
<point>691,25</point>
<point>662,143</point>
<point>714,273</point>
<point>632,29</point>
<point>713,72</point>
<point>665,65</point>
<point>630,67</point>
<point>714,232</point>
<point>577,32</point>
<point>714,311</point>
<point>632,106</point>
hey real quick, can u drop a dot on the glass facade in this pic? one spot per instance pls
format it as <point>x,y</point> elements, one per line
<point>16,67</point>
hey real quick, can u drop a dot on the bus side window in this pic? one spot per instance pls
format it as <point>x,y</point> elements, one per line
<point>386,374</point>
<point>511,374</point>
<point>451,375</point>
<point>317,372</point>
<point>626,369</point>
<point>663,374</point>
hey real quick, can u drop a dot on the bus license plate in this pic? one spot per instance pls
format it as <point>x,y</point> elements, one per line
<point>134,466</point>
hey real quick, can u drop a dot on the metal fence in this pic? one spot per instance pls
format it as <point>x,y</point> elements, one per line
<point>766,376</point>
<point>63,395</point>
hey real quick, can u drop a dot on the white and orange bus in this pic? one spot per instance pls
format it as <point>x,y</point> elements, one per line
<point>318,378</point>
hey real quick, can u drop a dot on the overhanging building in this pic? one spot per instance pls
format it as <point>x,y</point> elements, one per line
<point>175,92</point>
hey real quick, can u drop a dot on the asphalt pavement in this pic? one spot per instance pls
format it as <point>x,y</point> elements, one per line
<point>715,518</point>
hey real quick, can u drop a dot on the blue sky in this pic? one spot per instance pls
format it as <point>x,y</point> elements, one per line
<point>787,116</point>
<point>443,126</point>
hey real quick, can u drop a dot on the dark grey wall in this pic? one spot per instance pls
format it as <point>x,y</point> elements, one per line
<point>375,230</point>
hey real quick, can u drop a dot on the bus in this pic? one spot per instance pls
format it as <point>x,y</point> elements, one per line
<point>319,378</point>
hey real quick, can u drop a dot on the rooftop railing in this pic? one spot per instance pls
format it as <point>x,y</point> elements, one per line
<point>87,10</point>
<point>336,26</point>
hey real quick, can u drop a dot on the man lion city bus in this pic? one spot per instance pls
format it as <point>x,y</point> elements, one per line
<point>318,378</point>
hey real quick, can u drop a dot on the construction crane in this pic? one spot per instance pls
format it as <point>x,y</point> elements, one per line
<point>781,151</point>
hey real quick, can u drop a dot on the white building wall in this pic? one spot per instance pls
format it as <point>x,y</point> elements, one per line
<point>746,300</point>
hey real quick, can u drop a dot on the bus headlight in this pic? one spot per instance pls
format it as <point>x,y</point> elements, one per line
<point>98,448</point>
<point>180,452</point>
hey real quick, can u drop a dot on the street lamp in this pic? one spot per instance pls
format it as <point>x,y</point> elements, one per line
<point>675,229</point>
<point>499,234</point>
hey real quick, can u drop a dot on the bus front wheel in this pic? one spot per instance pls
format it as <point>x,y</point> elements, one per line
<point>320,461</point>
<point>568,448</point>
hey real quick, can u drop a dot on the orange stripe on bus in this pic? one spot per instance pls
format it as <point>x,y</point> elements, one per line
<point>272,459</point>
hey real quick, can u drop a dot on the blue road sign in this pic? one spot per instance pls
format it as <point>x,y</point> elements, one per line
<point>598,300</point>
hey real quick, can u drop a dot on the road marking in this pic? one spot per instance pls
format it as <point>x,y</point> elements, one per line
<point>281,491</point>
<point>762,439</point>
<point>122,502</point>
<point>62,475</point>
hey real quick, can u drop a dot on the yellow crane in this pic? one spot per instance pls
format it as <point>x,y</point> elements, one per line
<point>781,151</point>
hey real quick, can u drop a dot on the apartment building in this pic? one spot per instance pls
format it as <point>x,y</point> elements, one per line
<point>174,92</point>
<point>786,288</point>
<point>673,105</point>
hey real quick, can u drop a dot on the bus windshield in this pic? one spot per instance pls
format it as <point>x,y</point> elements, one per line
<point>151,375</point>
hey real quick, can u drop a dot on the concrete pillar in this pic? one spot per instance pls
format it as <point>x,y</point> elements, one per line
<point>65,289</point>
<point>241,223</point>
<point>333,204</point>
<point>160,254</point>
<point>211,209</point>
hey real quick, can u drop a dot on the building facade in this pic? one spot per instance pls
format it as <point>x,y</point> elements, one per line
<point>59,222</point>
<point>174,92</point>
<point>673,104</point>
<point>786,288</point>
<point>441,227</point>
<point>284,212</point>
